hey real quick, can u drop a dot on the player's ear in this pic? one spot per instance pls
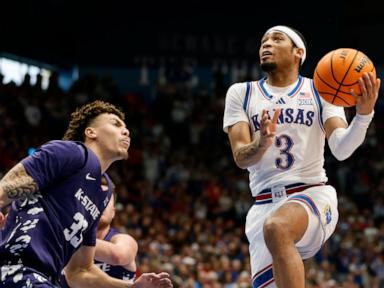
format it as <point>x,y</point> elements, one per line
<point>90,133</point>
<point>299,52</point>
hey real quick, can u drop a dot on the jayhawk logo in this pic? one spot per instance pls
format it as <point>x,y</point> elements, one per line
<point>328,214</point>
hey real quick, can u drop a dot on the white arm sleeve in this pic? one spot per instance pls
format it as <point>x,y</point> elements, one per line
<point>344,141</point>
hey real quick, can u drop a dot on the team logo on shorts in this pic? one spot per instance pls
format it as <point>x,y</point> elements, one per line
<point>328,214</point>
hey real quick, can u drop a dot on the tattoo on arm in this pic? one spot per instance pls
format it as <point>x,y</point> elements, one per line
<point>247,151</point>
<point>17,183</point>
<point>249,154</point>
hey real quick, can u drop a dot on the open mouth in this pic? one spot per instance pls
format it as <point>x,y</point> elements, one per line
<point>265,54</point>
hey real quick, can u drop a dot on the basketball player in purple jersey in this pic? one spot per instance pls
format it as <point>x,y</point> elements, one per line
<point>115,252</point>
<point>277,128</point>
<point>57,201</point>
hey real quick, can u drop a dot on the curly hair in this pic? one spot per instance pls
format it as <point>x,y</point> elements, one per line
<point>83,117</point>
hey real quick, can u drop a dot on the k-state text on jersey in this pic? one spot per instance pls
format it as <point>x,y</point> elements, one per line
<point>87,203</point>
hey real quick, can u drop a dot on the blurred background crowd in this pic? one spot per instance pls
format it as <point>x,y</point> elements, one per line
<point>180,194</point>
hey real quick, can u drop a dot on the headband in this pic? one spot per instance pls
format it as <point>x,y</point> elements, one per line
<point>294,37</point>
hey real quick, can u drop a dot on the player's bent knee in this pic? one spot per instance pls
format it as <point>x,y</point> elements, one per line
<point>274,231</point>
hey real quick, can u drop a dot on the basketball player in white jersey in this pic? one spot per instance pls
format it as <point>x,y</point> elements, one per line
<point>277,128</point>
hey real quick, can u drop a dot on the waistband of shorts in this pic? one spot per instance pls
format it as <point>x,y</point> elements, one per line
<point>268,195</point>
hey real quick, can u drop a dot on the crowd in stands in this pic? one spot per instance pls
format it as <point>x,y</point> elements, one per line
<point>181,195</point>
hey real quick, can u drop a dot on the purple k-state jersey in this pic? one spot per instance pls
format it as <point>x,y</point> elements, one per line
<point>50,226</point>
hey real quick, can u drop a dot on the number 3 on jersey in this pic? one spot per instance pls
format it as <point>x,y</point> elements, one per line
<point>79,225</point>
<point>284,143</point>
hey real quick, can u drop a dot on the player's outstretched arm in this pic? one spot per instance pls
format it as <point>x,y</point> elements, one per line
<point>81,272</point>
<point>121,250</point>
<point>245,151</point>
<point>344,141</point>
<point>16,184</point>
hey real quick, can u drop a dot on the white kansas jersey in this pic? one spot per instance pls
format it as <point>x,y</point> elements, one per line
<point>297,152</point>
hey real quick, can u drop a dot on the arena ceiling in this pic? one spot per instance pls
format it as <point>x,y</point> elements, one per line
<point>115,33</point>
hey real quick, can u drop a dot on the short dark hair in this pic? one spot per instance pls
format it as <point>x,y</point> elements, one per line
<point>83,117</point>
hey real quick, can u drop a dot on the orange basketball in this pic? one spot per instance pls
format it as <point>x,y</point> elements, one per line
<point>338,72</point>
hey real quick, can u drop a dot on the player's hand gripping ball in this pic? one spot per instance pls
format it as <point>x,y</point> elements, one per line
<point>338,72</point>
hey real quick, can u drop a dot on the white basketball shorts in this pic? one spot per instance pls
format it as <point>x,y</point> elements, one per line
<point>320,203</point>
